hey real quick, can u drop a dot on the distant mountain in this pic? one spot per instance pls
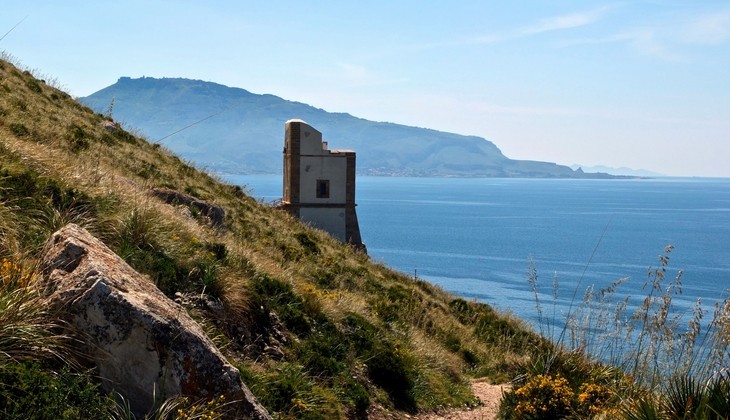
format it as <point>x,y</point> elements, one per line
<point>232,130</point>
<point>622,171</point>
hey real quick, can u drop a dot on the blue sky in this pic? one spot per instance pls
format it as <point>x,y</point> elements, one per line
<point>643,84</point>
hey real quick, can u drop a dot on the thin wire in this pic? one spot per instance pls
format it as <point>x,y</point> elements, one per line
<point>11,29</point>
<point>190,125</point>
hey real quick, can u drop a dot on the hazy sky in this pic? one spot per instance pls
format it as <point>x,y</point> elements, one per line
<point>643,84</point>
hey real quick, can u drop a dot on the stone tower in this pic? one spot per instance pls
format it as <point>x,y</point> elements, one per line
<point>319,184</point>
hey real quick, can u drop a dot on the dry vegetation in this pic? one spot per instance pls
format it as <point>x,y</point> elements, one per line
<point>316,328</point>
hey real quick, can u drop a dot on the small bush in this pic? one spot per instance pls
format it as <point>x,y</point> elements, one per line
<point>290,393</point>
<point>124,136</point>
<point>147,170</point>
<point>182,408</point>
<point>360,332</point>
<point>324,353</point>
<point>42,204</point>
<point>357,395</point>
<point>29,392</point>
<point>544,397</point>
<point>397,301</point>
<point>326,279</point>
<point>137,240</point>
<point>206,274</point>
<point>280,297</point>
<point>19,129</point>
<point>494,329</point>
<point>19,104</point>
<point>77,138</point>
<point>34,86</point>
<point>218,250</point>
<point>307,243</point>
<point>593,399</point>
<point>139,229</point>
<point>392,368</point>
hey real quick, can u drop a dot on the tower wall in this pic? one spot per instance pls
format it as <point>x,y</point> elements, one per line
<point>319,184</point>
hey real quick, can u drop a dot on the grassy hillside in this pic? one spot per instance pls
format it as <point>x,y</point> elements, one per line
<point>316,328</point>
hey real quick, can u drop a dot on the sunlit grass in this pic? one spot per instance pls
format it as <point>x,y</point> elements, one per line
<point>272,291</point>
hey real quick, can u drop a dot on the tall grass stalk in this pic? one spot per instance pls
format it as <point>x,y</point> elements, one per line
<point>673,356</point>
<point>27,329</point>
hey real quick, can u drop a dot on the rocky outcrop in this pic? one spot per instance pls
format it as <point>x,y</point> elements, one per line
<point>215,213</point>
<point>110,126</point>
<point>141,343</point>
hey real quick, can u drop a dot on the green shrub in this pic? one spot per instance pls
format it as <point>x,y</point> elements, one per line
<point>325,279</point>
<point>280,297</point>
<point>136,239</point>
<point>290,393</point>
<point>324,353</point>
<point>360,332</point>
<point>219,250</point>
<point>392,368</point>
<point>19,129</point>
<point>396,302</point>
<point>716,398</point>
<point>43,205</point>
<point>25,323</point>
<point>495,329</point>
<point>124,136</point>
<point>307,243</point>
<point>148,170</point>
<point>169,274</point>
<point>356,395</point>
<point>77,138</point>
<point>29,392</point>
<point>139,229</point>
<point>20,105</point>
<point>34,86</point>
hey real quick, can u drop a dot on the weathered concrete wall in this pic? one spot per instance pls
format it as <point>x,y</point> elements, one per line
<point>331,220</point>
<point>310,169</point>
<point>331,168</point>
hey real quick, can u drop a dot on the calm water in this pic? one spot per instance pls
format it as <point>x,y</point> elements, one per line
<point>475,237</point>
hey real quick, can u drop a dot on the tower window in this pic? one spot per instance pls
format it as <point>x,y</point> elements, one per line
<point>323,188</point>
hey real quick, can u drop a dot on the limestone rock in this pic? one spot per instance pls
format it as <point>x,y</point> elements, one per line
<point>110,126</point>
<point>215,213</point>
<point>140,341</point>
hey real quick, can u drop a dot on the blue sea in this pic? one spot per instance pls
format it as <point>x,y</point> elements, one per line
<point>478,238</point>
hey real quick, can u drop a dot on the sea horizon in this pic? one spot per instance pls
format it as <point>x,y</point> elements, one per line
<point>478,238</point>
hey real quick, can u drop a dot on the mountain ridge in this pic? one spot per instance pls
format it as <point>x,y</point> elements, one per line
<point>230,129</point>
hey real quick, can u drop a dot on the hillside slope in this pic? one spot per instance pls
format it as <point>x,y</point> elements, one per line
<point>244,133</point>
<point>316,328</point>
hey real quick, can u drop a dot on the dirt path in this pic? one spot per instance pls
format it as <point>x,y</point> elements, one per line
<point>490,395</point>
